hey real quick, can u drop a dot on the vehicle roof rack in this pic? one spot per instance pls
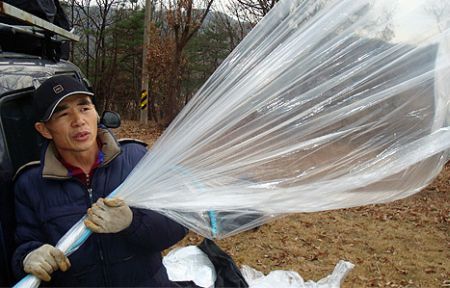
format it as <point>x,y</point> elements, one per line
<point>29,18</point>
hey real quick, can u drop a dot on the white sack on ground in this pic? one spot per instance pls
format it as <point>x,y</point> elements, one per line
<point>324,105</point>
<point>190,264</point>
<point>291,279</point>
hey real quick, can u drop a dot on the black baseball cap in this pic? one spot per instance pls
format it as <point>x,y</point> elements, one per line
<point>53,91</point>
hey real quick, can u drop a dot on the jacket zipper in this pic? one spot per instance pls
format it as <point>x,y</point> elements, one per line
<point>99,242</point>
<point>88,187</point>
<point>90,195</point>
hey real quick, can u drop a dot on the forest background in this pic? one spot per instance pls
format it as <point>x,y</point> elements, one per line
<point>188,41</point>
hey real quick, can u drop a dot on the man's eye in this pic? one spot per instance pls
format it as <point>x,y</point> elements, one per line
<point>61,115</point>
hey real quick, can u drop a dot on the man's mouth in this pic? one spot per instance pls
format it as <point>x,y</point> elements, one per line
<point>81,136</point>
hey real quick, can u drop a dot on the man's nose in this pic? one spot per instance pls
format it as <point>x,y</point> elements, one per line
<point>77,119</point>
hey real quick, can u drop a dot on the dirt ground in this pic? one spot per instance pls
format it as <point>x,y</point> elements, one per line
<point>405,243</point>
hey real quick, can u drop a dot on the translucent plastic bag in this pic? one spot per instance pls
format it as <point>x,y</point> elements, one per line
<point>324,105</point>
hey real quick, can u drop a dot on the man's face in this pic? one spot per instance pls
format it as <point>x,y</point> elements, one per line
<point>73,125</point>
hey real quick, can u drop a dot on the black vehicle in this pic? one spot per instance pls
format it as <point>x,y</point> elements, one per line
<point>21,70</point>
<point>19,142</point>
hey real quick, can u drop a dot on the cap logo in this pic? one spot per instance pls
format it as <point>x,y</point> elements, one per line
<point>58,88</point>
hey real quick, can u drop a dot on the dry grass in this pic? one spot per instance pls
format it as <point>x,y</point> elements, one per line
<point>401,244</point>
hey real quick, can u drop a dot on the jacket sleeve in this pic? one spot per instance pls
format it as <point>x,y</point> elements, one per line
<point>153,231</point>
<point>29,234</point>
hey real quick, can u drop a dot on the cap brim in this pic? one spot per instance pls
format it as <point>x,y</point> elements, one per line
<point>50,112</point>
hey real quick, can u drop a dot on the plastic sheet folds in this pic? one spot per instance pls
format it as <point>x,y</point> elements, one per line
<point>324,105</point>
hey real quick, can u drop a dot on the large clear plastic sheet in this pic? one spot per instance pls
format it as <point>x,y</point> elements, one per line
<point>324,105</point>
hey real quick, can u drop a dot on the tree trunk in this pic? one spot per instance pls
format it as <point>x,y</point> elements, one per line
<point>171,108</point>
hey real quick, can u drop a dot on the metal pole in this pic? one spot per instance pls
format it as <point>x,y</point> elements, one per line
<point>88,38</point>
<point>72,48</point>
<point>17,13</point>
<point>145,77</point>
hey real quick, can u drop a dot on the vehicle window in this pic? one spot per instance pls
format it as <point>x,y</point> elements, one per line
<point>17,122</point>
<point>5,162</point>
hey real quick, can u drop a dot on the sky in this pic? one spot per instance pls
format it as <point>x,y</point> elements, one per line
<point>417,21</point>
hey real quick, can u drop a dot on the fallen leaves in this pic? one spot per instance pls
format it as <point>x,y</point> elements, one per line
<point>405,243</point>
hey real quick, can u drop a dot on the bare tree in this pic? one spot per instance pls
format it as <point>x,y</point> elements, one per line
<point>236,21</point>
<point>440,9</point>
<point>93,19</point>
<point>257,8</point>
<point>183,21</point>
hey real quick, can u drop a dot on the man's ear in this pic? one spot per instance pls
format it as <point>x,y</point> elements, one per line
<point>42,129</point>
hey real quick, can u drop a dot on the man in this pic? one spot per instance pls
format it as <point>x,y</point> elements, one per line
<point>80,165</point>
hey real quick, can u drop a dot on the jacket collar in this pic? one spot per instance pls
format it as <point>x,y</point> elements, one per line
<point>52,168</point>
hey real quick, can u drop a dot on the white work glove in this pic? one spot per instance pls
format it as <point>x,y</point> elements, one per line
<point>44,260</point>
<point>108,216</point>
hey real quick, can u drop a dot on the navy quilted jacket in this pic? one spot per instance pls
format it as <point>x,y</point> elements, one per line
<point>49,202</point>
